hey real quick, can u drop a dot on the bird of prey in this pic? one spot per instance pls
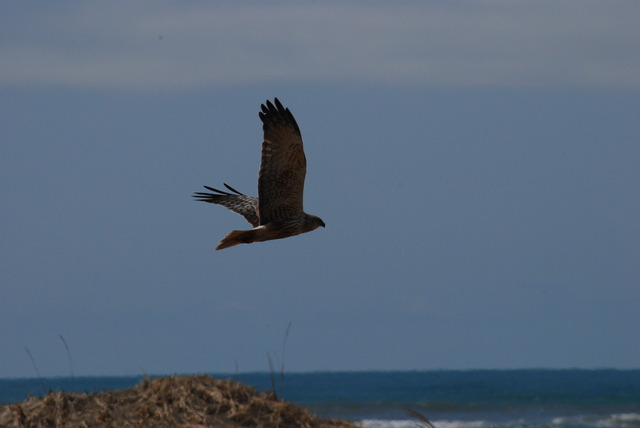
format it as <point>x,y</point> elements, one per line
<point>277,211</point>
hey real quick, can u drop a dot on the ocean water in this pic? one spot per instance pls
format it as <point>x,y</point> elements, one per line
<point>450,399</point>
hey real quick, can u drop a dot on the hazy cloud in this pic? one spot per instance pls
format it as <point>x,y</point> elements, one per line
<point>174,45</point>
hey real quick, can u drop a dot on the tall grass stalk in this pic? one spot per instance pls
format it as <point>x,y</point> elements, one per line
<point>73,377</point>
<point>35,366</point>
<point>272,376</point>
<point>284,349</point>
<point>420,417</point>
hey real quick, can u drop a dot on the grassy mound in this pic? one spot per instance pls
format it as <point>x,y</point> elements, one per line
<point>192,401</point>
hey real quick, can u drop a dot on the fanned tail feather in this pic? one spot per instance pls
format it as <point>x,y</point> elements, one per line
<point>238,237</point>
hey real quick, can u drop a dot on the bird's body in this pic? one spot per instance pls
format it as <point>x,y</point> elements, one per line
<point>277,212</point>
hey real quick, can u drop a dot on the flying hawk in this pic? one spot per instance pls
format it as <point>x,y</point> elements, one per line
<point>277,211</point>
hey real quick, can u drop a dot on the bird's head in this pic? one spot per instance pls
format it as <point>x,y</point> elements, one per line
<point>313,222</point>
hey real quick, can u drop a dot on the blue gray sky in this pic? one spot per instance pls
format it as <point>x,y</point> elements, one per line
<point>476,164</point>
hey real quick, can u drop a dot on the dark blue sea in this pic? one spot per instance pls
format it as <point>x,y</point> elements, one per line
<point>450,399</point>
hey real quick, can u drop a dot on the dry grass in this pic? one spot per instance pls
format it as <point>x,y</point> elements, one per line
<point>193,402</point>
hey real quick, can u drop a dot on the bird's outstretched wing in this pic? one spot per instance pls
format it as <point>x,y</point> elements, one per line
<point>283,166</point>
<point>246,206</point>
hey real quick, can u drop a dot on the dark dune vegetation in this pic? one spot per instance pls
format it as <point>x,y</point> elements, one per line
<point>178,401</point>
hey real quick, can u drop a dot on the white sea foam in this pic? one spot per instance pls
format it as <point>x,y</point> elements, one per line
<point>624,420</point>
<point>377,423</point>
<point>460,424</point>
<point>412,423</point>
<point>620,420</point>
<point>616,420</point>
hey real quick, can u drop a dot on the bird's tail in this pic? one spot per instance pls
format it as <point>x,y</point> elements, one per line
<point>238,237</point>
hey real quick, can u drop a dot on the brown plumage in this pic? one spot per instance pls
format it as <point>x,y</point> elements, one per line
<point>277,212</point>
